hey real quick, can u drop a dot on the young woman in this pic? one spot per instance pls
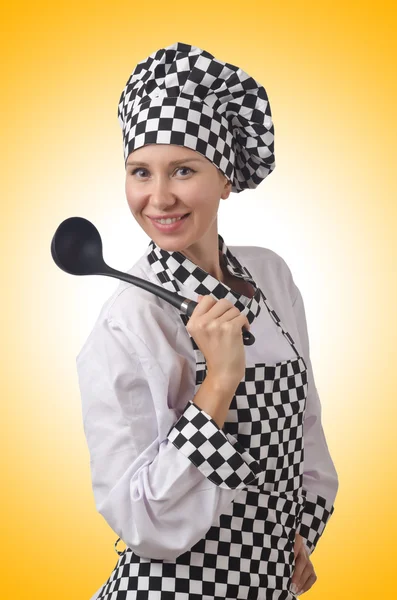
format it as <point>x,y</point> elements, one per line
<point>208,457</point>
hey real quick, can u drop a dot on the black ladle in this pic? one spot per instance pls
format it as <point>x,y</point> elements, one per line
<point>76,248</point>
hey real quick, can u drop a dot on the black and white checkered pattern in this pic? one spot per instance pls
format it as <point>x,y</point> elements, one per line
<point>249,554</point>
<point>314,518</point>
<point>183,95</point>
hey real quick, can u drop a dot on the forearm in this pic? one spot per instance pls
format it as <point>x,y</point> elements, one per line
<point>214,397</point>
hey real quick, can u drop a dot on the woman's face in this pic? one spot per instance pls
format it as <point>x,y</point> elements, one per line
<point>165,179</point>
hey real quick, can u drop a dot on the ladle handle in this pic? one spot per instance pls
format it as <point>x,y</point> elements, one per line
<point>185,305</point>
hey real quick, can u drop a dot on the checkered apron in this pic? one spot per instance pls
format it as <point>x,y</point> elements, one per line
<point>249,553</point>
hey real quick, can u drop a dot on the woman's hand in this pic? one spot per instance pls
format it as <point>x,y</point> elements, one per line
<point>304,575</point>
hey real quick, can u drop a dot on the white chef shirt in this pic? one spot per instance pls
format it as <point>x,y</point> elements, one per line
<point>136,373</point>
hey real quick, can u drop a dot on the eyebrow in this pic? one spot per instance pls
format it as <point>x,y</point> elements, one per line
<point>174,162</point>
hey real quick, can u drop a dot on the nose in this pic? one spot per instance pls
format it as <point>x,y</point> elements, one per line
<point>161,193</point>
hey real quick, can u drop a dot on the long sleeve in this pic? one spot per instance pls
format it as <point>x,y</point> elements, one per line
<point>320,479</point>
<point>153,470</point>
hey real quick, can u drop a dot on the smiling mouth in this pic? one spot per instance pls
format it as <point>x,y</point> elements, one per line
<point>165,218</point>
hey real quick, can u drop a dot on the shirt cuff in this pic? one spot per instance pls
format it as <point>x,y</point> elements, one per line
<point>315,514</point>
<point>219,456</point>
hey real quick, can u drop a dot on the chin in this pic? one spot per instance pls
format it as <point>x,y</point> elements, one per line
<point>168,245</point>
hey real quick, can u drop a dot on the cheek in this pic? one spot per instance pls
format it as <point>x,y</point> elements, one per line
<point>134,199</point>
<point>203,193</point>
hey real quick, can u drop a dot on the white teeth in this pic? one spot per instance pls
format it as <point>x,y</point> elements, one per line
<point>167,221</point>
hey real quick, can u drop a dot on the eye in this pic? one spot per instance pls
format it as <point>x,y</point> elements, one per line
<point>185,168</point>
<point>137,169</point>
<point>178,169</point>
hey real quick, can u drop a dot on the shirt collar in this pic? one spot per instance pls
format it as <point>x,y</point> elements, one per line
<point>174,268</point>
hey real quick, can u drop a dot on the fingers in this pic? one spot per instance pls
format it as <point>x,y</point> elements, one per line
<point>203,302</point>
<point>303,578</point>
<point>300,564</point>
<point>308,583</point>
<point>222,309</point>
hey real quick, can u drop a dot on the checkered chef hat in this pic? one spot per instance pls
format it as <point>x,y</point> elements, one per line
<point>185,96</point>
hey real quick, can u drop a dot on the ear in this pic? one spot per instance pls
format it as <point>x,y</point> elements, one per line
<point>227,189</point>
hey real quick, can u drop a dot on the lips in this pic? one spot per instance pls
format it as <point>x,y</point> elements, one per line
<point>170,227</point>
<point>169,216</point>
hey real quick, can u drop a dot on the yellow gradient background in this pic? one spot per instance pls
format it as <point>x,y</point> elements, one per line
<point>329,209</point>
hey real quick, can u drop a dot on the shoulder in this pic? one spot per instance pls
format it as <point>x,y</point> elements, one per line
<point>133,305</point>
<point>139,318</point>
<point>268,268</point>
<point>268,257</point>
